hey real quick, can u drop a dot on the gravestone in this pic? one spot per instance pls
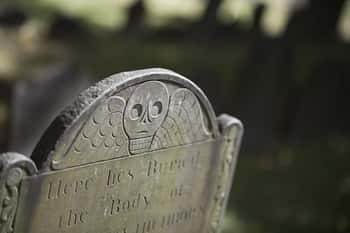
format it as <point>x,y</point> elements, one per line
<point>139,152</point>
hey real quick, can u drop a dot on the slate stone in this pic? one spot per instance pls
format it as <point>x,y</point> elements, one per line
<point>139,152</point>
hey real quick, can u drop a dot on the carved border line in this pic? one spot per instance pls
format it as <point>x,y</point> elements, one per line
<point>232,132</point>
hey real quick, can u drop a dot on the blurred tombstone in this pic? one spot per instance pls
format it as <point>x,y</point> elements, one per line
<point>5,96</point>
<point>11,17</point>
<point>35,103</point>
<point>136,17</point>
<point>210,14</point>
<point>321,110</point>
<point>318,20</point>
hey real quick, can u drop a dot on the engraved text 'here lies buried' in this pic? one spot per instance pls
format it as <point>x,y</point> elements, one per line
<point>151,193</point>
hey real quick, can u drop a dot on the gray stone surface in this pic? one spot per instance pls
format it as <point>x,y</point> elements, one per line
<point>139,152</point>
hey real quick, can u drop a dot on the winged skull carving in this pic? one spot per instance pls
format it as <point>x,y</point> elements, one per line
<point>144,114</point>
<point>149,120</point>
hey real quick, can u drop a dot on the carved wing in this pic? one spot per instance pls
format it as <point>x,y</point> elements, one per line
<point>184,123</point>
<point>102,137</point>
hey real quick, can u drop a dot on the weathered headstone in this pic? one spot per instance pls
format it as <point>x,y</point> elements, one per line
<point>140,152</point>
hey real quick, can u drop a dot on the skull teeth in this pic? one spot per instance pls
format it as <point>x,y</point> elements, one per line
<point>140,145</point>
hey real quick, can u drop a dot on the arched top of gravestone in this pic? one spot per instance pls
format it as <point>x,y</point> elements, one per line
<point>127,114</point>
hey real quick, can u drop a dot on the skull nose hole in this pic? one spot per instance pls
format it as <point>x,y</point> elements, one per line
<point>145,118</point>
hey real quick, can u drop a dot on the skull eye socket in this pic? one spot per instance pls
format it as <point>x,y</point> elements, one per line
<point>156,109</point>
<point>136,111</point>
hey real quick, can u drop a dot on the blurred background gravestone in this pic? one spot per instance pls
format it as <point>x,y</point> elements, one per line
<point>36,102</point>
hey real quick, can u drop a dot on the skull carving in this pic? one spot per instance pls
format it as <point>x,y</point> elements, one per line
<point>144,114</point>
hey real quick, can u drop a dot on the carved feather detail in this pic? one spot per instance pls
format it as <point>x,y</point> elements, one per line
<point>103,135</point>
<point>184,123</point>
